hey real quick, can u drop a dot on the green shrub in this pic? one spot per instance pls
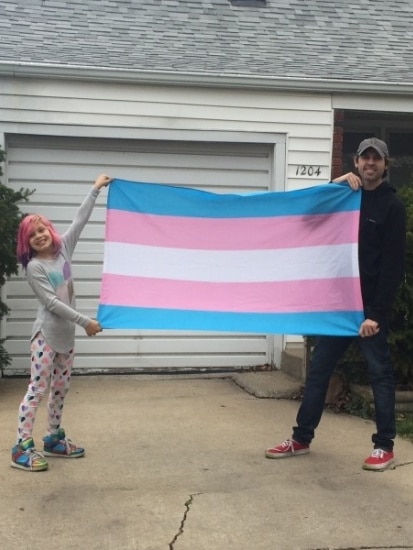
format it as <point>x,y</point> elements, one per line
<point>401,337</point>
<point>10,216</point>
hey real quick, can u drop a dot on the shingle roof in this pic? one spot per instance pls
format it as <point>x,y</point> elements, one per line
<point>364,40</point>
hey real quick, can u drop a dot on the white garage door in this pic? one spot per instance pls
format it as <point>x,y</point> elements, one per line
<point>61,171</point>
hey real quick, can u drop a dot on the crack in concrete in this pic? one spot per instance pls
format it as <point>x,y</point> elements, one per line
<point>181,527</point>
<point>189,502</point>
<point>398,465</point>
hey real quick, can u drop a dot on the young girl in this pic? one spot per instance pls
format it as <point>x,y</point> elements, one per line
<point>46,258</point>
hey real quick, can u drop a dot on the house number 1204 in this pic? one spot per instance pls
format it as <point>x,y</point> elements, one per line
<point>306,170</point>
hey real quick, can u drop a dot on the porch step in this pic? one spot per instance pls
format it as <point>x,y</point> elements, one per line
<point>293,362</point>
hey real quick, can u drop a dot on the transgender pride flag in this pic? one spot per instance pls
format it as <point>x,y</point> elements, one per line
<point>183,259</point>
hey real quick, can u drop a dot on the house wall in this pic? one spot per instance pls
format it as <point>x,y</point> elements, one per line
<point>119,110</point>
<point>126,111</point>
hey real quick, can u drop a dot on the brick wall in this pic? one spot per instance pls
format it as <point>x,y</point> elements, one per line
<point>337,154</point>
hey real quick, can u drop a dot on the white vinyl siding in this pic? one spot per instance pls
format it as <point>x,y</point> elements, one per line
<point>378,102</point>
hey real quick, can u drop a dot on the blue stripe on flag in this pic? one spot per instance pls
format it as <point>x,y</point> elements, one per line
<point>169,200</point>
<point>344,323</point>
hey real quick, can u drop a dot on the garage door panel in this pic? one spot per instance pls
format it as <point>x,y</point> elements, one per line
<point>64,200</point>
<point>63,213</point>
<point>31,150</point>
<point>21,306</point>
<point>152,346</point>
<point>19,288</point>
<point>24,308</point>
<point>20,329</point>
<point>249,178</point>
<point>86,271</point>
<point>112,364</point>
<point>165,345</point>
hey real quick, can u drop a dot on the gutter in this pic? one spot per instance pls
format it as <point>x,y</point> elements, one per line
<point>215,80</point>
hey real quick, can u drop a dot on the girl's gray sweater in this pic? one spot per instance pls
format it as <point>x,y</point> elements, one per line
<point>52,283</point>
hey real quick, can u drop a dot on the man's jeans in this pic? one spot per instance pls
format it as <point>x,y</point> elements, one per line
<point>327,351</point>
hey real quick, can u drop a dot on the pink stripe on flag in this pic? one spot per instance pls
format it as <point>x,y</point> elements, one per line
<point>341,294</point>
<point>231,233</point>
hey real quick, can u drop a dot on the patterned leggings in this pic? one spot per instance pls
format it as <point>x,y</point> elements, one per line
<point>46,366</point>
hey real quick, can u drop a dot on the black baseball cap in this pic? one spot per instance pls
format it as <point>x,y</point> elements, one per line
<point>377,144</point>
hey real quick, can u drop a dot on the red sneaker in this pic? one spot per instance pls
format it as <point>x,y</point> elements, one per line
<point>288,448</point>
<point>379,460</point>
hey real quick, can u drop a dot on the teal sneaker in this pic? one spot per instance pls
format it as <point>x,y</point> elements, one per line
<point>25,457</point>
<point>60,446</point>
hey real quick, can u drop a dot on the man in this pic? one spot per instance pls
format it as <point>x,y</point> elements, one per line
<point>382,237</point>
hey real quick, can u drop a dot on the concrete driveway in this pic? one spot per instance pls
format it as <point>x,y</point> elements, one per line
<point>177,463</point>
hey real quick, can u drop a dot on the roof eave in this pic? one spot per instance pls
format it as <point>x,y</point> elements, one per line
<point>173,78</point>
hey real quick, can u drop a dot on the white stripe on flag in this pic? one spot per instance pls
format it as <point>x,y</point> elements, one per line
<point>319,262</point>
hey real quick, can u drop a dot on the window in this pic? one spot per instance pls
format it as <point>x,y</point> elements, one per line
<point>401,152</point>
<point>394,128</point>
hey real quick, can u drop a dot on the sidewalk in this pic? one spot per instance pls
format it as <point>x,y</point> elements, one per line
<point>177,463</point>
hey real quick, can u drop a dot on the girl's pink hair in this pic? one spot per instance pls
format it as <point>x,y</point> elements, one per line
<point>24,251</point>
